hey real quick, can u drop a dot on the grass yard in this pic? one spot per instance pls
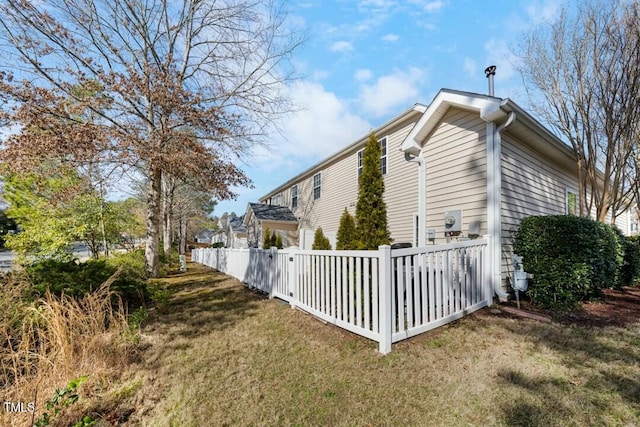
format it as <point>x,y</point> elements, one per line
<point>219,354</point>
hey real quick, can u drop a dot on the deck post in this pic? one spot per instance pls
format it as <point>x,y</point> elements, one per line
<point>386,332</point>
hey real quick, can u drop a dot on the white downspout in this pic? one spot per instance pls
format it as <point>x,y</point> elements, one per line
<point>494,200</point>
<point>422,196</point>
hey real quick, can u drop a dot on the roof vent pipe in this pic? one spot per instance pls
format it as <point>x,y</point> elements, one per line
<point>490,71</point>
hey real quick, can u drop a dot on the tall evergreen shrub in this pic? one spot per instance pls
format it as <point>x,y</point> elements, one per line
<point>346,238</point>
<point>371,209</point>
<point>320,241</point>
<point>266,238</point>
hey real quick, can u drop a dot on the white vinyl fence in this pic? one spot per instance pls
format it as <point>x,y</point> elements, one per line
<point>385,295</point>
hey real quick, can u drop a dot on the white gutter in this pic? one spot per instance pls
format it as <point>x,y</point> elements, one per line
<point>494,200</point>
<point>422,196</point>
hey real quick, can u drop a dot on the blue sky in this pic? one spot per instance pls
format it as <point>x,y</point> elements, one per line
<point>366,61</point>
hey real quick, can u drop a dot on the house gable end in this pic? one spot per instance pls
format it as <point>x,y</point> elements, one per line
<point>488,107</point>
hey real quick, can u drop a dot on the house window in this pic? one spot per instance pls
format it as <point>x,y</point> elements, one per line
<point>317,186</point>
<point>383,157</point>
<point>294,196</point>
<point>275,201</point>
<point>571,200</point>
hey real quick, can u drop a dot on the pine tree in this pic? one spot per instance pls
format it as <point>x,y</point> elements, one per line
<point>346,232</point>
<point>371,210</point>
<point>266,238</point>
<point>320,241</point>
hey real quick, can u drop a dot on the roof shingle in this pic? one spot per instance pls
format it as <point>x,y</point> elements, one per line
<point>272,213</point>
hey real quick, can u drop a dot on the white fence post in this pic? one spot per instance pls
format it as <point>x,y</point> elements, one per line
<point>488,270</point>
<point>272,265</point>
<point>292,276</point>
<point>386,332</point>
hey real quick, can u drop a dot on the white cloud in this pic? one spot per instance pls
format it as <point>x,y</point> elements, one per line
<point>363,75</point>
<point>320,75</point>
<point>539,11</point>
<point>428,5</point>
<point>470,67</point>
<point>391,37</point>
<point>389,92</point>
<point>341,46</point>
<point>377,4</point>
<point>323,125</point>
<point>434,6</point>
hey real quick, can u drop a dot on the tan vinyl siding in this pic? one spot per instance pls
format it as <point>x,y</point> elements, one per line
<point>531,185</point>
<point>401,189</point>
<point>456,163</point>
<point>340,190</point>
<point>623,223</point>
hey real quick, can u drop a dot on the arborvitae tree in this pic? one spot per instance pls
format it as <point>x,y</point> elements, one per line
<point>320,241</point>
<point>346,232</point>
<point>279,241</point>
<point>371,210</point>
<point>266,238</point>
<point>273,241</point>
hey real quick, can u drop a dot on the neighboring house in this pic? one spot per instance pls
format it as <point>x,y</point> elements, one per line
<point>467,165</point>
<point>236,233</point>
<point>278,219</point>
<point>219,237</point>
<point>205,236</point>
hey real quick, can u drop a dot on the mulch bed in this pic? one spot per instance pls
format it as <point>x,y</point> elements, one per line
<point>618,308</point>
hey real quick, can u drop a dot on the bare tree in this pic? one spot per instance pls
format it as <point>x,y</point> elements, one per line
<point>582,74</point>
<point>183,87</point>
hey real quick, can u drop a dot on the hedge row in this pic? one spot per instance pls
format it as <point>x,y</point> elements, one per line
<point>79,278</point>
<point>573,258</point>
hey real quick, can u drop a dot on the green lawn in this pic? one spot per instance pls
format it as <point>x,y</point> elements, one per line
<point>219,354</point>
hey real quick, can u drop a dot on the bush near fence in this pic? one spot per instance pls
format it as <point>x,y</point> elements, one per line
<point>630,269</point>
<point>573,258</point>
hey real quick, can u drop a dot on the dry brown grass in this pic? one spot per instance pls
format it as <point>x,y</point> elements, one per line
<point>54,340</point>
<point>223,355</point>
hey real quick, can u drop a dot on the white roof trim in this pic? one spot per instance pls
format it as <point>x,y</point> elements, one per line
<point>488,107</point>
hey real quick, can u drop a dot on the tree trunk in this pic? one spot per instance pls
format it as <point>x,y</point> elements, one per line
<point>167,214</point>
<point>103,230</point>
<point>152,249</point>
<point>183,235</point>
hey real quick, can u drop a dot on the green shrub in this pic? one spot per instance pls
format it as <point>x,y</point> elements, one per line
<point>169,259</point>
<point>630,268</point>
<point>266,238</point>
<point>571,258</point>
<point>76,279</point>
<point>347,237</point>
<point>320,241</point>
